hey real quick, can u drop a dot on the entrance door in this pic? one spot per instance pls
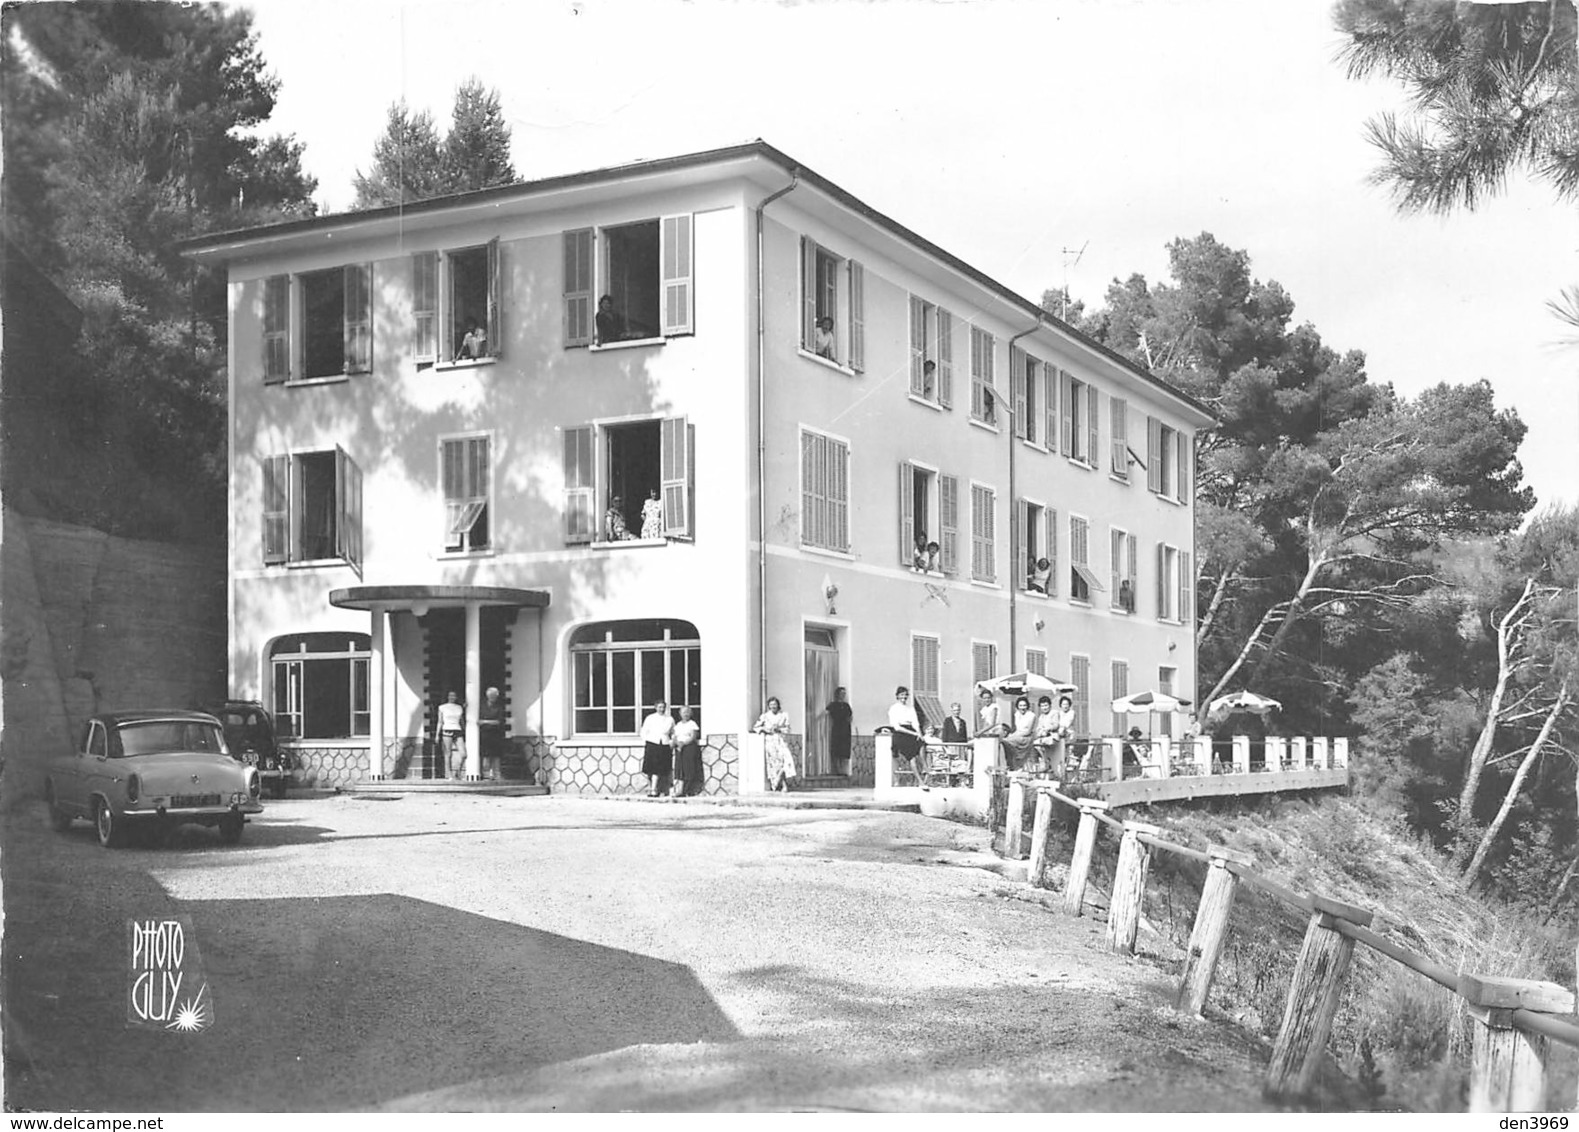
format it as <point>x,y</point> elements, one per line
<point>822,677</point>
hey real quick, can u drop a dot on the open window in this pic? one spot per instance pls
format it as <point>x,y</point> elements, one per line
<point>1031,380</point>
<point>1083,581</point>
<point>336,319</point>
<point>1121,551</point>
<point>1036,548</point>
<point>312,508</point>
<point>629,282</point>
<point>467,481</point>
<point>1167,462</point>
<point>1175,584</point>
<point>1118,426</point>
<point>630,481</point>
<point>1078,438</point>
<point>833,306</point>
<point>931,353</point>
<point>983,393</point>
<point>468,293</point>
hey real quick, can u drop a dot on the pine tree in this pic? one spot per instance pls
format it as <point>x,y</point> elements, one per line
<point>408,163</point>
<point>477,148</point>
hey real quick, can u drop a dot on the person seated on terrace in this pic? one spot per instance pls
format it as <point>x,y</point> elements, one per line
<point>1135,754</point>
<point>1041,574</point>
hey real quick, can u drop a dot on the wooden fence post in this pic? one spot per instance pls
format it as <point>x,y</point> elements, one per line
<point>1211,928</point>
<point>1508,1066</point>
<point>997,799</point>
<point>1129,886</point>
<point>1035,870</point>
<point>1014,820</point>
<point>1080,862</point>
<point>1312,998</point>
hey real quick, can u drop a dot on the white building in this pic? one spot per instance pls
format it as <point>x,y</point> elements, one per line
<point>406,520</point>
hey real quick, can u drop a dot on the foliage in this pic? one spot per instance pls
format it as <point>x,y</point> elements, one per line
<point>411,163</point>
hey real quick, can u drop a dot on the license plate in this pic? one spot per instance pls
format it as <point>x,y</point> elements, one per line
<point>186,801</point>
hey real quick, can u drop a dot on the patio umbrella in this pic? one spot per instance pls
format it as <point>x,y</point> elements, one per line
<point>1026,684</point>
<point>1149,703</point>
<point>1242,702</point>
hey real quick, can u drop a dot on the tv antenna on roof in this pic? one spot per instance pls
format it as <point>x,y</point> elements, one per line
<point>1063,297</point>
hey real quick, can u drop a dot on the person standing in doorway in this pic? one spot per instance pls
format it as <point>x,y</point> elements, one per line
<point>452,735</point>
<point>839,732</point>
<point>657,761</point>
<point>490,732</point>
<point>687,755</point>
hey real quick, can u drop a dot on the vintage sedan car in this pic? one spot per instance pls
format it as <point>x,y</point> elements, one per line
<point>249,732</point>
<point>151,770</point>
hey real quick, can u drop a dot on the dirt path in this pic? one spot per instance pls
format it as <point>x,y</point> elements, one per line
<point>536,953</point>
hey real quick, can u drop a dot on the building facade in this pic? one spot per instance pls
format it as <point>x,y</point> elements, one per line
<point>699,431</point>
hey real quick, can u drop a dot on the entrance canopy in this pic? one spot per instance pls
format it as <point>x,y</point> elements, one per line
<point>434,597</point>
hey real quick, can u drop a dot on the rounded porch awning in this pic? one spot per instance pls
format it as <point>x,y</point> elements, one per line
<point>435,597</point>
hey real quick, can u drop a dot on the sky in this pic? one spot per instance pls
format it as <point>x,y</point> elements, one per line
<point>1042,141</point>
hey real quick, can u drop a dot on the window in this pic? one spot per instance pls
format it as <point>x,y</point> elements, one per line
<point>1080,677</point>
<point>277,328</point>
<point>1082,579</point>
<point>925,677</point>
<point>983,534</point>
<point>1036,548</point>
<point>643,270</point>
<point>1079,433</point>
<point>931,353</point>
<point>312,508</point>
<point>1175,584</point>
<point>824,491</point>
<point>1118,423</point>
<point>337,322</point>
<point>928,519</point>
<point>983,661</point>
<point>613,473</point>
<point>468,318</point>
<point>833,306</point>
<point>1120,690</point>
<point>1036,661</point>
<point>1030,380</point>
<point>1168,460</point>
<point>320,685</point>
<point>465,474</point>
<point>1121,557</point>
<point>983,395</point>
<point>620,669</point>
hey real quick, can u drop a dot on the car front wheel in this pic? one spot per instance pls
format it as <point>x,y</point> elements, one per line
<point>111,830</point>
<point>58,818</point>
<point>230,827</point>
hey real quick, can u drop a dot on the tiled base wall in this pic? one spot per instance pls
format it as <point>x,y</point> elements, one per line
<point>863,760</point>
<point>617,769</point>
<point>325,768</point>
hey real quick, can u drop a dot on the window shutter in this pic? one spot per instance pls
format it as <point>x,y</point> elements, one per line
<point>1066,402</point>
<point>578,287</point>
<point>948,520</point>
<point>918,345</point>
<point>1050,407</point>
<point>1153,454</point>
<point>1080,677</point>
<point>424,306</point>
<point>990,535</point>
<point>945,359</point>
<point>808,293</point>
<point>857,317</point>
<point>679,298</point>
<point>907,517</point>
<point>1133,575</point>
<point>1120,689</point>
<point>1119,426</point>
<point>1017,526</point>
<point>276,329</point>
<point>1052,552</point>
<point>580,516</point>
<point>840,495</point>
<point>348,494</point>
<point>1093,439</point>
<point>1017,381</point>
<point>1115,561</point>
<point>1183,450</point>
<point>495,327</point>
<point>454,492</point>
<point>675,462</point>
<point>1186,586</point>
<point>276,509</point>
<point>359,318</point>
<point>1162,581</point>
<point>808,486</point>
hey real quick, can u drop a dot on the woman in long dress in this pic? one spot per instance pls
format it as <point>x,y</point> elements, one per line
<point>1017,743</point>
<point>652,516</point>
<point>687,754</point>
<point>774,723</point>
<point>657,760</point>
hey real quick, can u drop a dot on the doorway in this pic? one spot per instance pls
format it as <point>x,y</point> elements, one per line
<point>822,678</point>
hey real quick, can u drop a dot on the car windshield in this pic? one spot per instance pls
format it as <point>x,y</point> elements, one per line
<point>161,736</point>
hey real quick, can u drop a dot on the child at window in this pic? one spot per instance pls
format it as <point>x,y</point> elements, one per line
<point>918,560</point>
<point>822,341</point>
<point>1041,573</point>
<point>474,344</point>
<point>933,550</point>
<point>652,515</point>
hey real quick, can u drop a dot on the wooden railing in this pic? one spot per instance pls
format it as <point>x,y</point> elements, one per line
<point>1515,1020</point>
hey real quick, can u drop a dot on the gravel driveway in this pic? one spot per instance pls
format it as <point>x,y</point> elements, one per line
<point>459,953</point>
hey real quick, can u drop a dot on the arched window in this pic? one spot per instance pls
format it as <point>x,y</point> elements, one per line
<point>320,685</point>
<point>621,668</point>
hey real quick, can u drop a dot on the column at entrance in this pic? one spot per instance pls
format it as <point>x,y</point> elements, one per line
<point>375,695</point>
<point>473,690</point>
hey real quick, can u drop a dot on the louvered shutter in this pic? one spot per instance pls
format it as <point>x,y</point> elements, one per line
<point>1093,437</point>
<point>918,346</point>
<point>808,487</point>
<point>359,318</point>
<point>454,488</point>
<point>857,317</point>
<point>1118,424</point>
<point>1066,403</point>
<point>1186,586</point>
<point>675,472</point>
<point>1052,552</point>
<point>1184,451</point>
<point>1050,407</point>
<point>838,494</point>
<point>808,292</point>
<point>424,306</point>
<point>1017,526</point>
<point>348,497</point>
<point>1116,561</point>
<point>578,287</point>
<point>1153,455</point>
<point>1120,689</point>
<point>678,290</point>
<point>1017,383</point>
<point>580,516</point>
<point>495,327</point>
<point>945,359</point>
<point>990,535</point>
<point>276,329</point>
<point>948,520</point>
<point>907,518</point>
<point>1162,581</point>
<point>276,509</point>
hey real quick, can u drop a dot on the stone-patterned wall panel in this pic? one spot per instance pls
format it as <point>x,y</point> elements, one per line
<point>325,768</point>
<point>863,760</point>
<point>721,765</point>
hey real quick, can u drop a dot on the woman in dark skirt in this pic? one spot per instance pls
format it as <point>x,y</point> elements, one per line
<point>657,732</point>
<point>687,755</point>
